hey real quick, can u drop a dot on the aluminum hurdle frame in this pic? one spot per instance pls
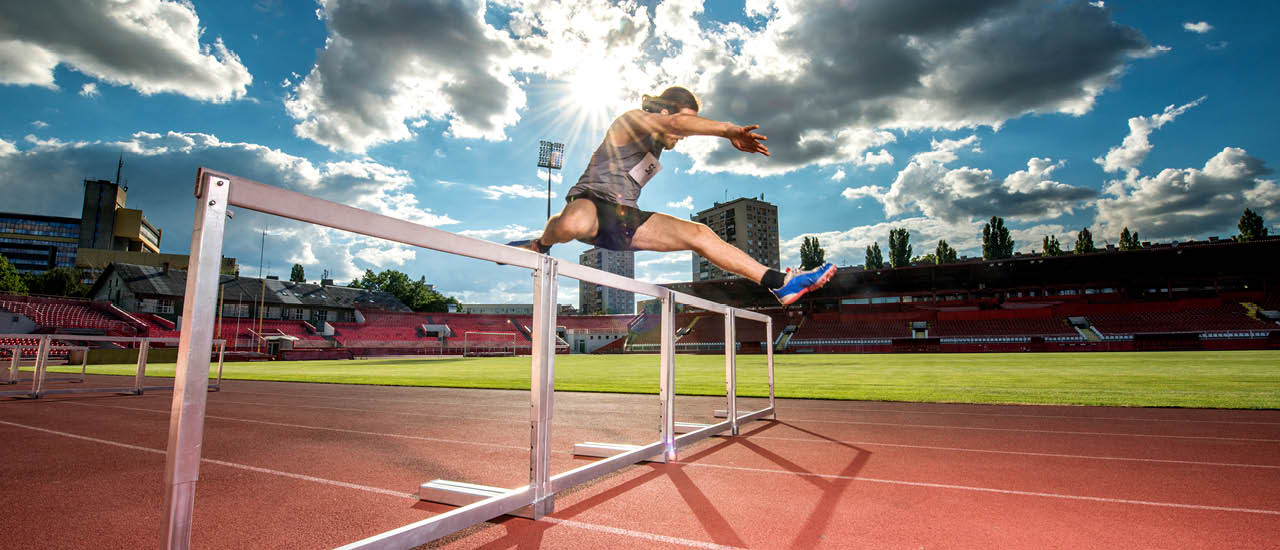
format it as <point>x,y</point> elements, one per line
<point>216,191</point>
<point>16,359</point>
<point>40,374</point>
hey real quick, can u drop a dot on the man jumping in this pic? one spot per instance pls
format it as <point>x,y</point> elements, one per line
<point>602,208</point>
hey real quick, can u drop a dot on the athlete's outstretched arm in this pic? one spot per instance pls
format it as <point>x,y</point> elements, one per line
<point>685,123</point>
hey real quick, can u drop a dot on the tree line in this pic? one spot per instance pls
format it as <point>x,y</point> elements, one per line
<point>997,244</point>
<point>417,295</point>
<point>59,281</point>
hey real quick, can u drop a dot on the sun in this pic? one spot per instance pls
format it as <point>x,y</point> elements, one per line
<point>591,98</point>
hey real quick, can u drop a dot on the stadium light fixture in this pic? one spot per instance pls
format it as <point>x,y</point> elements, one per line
<point>551,157</point>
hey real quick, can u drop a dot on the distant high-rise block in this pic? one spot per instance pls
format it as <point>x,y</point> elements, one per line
<point>747,223</point>
<point>593,298</point>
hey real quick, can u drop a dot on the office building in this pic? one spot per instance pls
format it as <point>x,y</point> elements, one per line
<point>35,244</point>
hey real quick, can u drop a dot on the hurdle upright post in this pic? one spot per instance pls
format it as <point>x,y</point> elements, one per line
<point>667,378</point>
<point>542,392</point>
<point>42,363</point>
<point>731,370</point>
<point>141,374</point>
<point>13,364</point>
<point>191,379</point>
<point>222,352</point>
<point>768,338</point>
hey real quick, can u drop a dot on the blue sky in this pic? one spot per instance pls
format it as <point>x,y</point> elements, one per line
<point>1055,115</point>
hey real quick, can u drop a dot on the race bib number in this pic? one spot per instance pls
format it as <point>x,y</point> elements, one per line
<point>645,171</point>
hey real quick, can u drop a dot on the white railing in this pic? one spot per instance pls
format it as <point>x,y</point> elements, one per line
<point>215,192</point>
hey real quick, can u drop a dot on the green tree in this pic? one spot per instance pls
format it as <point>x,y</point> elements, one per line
<point>874,259</point>
<point>10,279</point>
<point>1129,241</point>
<point>927,259</point>
<point>298,275</point>
<point>1251,226</point>
<point>417,295</point>
<point>899,247</point>
<point>944,253</point>
<point>996,243</point>
<point>1051,246</point>
<point>59,281</point>
<point>811,254</point>
<point>1084,242</point>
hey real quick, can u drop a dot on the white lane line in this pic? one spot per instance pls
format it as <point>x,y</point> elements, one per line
<point>220,462</point>
<point>325,428</point>
<point>565,522</point>
<point>991,490</point>
<point>1025,430</point>
<point>1021,453</point>
<point>1004,415</point>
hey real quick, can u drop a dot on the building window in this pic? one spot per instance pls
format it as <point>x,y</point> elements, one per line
<point>164,305</point>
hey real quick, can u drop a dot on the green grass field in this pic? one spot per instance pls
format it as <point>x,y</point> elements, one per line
<point>1236,379</point>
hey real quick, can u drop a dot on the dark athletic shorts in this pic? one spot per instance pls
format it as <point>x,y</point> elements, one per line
<point>617,223</point>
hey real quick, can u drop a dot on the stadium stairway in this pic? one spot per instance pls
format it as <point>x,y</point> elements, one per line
<point>524,331</point>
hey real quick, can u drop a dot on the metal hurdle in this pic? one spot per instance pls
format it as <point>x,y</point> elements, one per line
<point>40,373</point>
<point>17,351</point>
<point>216,191</point>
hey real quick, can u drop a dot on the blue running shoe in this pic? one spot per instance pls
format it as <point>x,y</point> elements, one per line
<point>797,284</point>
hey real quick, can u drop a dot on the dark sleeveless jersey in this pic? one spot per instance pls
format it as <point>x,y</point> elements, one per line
<point>608,177</point>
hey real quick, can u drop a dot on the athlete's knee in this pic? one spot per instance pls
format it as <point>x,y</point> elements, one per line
<point>574,223</point>
<point>700,237</point>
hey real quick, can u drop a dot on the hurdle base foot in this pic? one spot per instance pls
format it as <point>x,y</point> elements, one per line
<point>457,493</point>
<point>720,413</point>
<point>606,450</point>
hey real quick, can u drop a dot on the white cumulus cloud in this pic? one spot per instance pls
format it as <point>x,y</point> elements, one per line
<point>153,46</point>
<point>687,203</point>
<point>1189,202</point>
<point>385,66</point>
<point>928,185</point>
<point>495,192</point>
<point>1136,146</point>
<point>1198,27</point>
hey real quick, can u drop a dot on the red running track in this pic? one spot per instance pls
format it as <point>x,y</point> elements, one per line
<point>317,466</point>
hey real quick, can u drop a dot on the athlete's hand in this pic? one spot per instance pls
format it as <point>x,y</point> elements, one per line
<point>746,140</point>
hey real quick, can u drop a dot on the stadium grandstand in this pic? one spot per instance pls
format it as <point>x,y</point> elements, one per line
<point>1212,295</point>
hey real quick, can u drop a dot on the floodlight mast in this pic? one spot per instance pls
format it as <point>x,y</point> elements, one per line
<point>551,157</point>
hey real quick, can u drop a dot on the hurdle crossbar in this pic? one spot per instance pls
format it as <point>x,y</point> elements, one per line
<point>40,373</point>
<point>216,191</point>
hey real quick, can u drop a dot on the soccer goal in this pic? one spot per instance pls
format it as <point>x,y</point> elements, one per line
<point>488,344</point>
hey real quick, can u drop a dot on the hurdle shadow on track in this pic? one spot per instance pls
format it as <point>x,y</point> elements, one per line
<point>811,533</point>
<point>527,534</point>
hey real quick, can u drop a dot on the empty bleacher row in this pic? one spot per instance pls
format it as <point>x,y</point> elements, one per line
<point>66,313</point>
<point>1198,320</point>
